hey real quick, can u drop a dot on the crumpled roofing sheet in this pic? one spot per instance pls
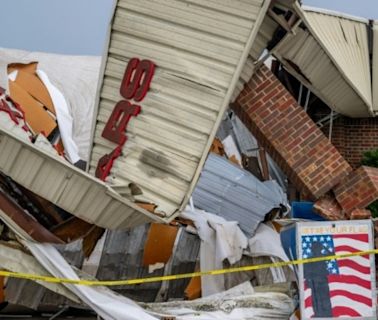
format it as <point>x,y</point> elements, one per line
<point>121,258</point>
<point>331,57</point>
<point>248,145</point>
<point>199,48</point>
<point>75,76</point>
<point>235,194</point>
<point>71,189</point>
<point>237,303</point>
<point>346,40</point>
<point>13,257</point>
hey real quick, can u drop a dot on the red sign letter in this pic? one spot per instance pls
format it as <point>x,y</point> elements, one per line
<point>105,164</point>
<point>137,79</point>
<point>115,128</point>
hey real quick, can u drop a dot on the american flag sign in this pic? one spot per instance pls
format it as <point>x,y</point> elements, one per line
<point>342,288</point>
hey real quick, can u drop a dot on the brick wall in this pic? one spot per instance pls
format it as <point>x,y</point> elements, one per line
<point>289,135</point>
<point>358,190</point>
<point>353,137</point>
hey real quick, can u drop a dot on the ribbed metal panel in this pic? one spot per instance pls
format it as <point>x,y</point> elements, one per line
<point>346,41</point>
<point>330,56</point>
<point>265,34</point>
<point>233,193</point>
<point>247,145</point>
<point>199,48</point>
<point>303,56</point>
<point>69,188</point>
<point>121,258</point>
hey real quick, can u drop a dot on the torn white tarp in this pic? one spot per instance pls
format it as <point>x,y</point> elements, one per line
<point>220,240</point>
<point>64,117</point>
<point>239,303</point>
<point>266,242</point>
<point>106,303</point>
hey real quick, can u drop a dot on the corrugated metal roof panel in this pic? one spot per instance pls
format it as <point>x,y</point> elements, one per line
<point>66,186</point>
<point>264,35</point>
<point>305,58</point>
<point>233,193</point>
<point>199,49</point>
<point>121,258</point>
<point>346,42</point>
<point>32,294</point>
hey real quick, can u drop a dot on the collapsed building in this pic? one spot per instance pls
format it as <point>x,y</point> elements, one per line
<point>120,182</point>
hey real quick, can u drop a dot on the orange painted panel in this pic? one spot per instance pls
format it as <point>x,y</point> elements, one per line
<point>36,116</point>
<point>35,87</point>
<point>159,244</point>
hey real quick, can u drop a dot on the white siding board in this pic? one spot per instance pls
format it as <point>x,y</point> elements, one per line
<point>346,41</point>
<point>197,47</point>
<point>326,81</point>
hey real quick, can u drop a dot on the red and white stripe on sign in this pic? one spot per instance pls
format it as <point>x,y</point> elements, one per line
<point>351,290</point>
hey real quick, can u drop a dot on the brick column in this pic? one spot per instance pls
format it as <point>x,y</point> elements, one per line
<point>289,135</point>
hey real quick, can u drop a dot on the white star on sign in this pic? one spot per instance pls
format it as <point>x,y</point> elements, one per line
<point>308,239</point>
<point>321,239</point>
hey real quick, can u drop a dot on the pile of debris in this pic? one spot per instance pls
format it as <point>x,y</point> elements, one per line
<point>194,164</point>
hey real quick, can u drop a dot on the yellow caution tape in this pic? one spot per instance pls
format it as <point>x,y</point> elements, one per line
<point>182,276</point>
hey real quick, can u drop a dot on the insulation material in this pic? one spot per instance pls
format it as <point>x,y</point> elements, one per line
<point>199,50</point>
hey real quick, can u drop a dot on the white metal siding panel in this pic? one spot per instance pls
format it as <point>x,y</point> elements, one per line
<point>346,41</point>
<point>198,47</point>
<point>265,34</point>
<point>326,81</point>
<point>66,186</point>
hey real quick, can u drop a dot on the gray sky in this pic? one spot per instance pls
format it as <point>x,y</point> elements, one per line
<point>79,26</point>
<point>362,8</point>
<point>61,26</point>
